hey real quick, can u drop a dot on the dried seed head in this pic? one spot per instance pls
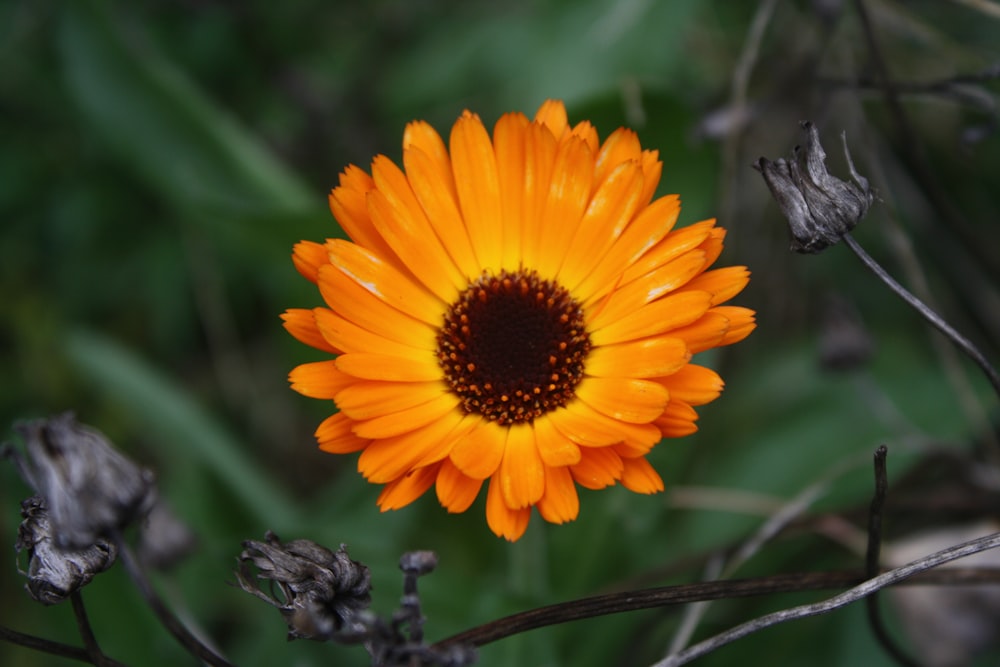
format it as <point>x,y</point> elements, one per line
<point>820,208</point>
<point>53,573</point>
<point>90,489</point>
<point>322,591</point>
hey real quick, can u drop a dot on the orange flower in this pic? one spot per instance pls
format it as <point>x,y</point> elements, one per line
<point>516,309</point>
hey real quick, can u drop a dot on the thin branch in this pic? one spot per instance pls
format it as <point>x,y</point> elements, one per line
<point>852,595</point>
<point>872,561</point>
<point>616,603</point>
<point>87,633</point>
<point>169,621</point>
<point>932,317</point>
<point>50,647</point>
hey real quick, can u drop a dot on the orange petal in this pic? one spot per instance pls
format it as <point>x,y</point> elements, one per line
<point>407,419</point>
<point>386,282</point>
<point>371,366</point>
<point>587,427</point>
<point>505,522</point>
<point>677,420</point>
<point>705,333</point>
<point>434,187</point>
<point>660,316</point>
<point>648,357</point>
<point>652,169</point>
<point>509,139</point>
<point>319,379</point>
<point>552,114</point>
<point>722,284</point>
<point>588,133</point>
<point>522,473</point>
<point>627,399</point>
<point>569,192</point>
<point>351,301</point>
<point>672,246</point>
<point>475,169</point>
<point>555,448</point>
<point>560,503</point>
<point>455,490</point>
<point>404,490</point>
<point>644,232</point>
<point>301,323</point>
<point>639,476</point>
<point>600,467</point>
<point>335,436</point>
<point>693,384</point>
<point>308,256</point>
<point>478,454</point>
<point>612,206</point>
<point>539,159</point>
<point>349,204</point>
<point>741,323</point>
<point>349,337</point>
<point>657,283</point>
<point>622,145</point>
<point>367,399</point>
<point>387,458</point>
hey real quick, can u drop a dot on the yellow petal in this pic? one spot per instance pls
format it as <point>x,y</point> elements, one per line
<point>648,357</point>
<point>628,399</point>
<point>456,491</point>
<point>335,435</point>
<point>521,474</point>
<point>560,502</point>
<point>475,169</point>
<point>505,522</point>
<point>319,379</point>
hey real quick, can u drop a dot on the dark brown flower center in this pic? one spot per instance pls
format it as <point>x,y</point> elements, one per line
<point>513,346</point>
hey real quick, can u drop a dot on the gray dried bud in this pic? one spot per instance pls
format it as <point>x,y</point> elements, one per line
<point>418,562</point>
<point>844,341</point>
<point>164,539</point>
<point>820,208</point>
<point>322,591</point>
<point>54,573</point>
<point>90,489</point>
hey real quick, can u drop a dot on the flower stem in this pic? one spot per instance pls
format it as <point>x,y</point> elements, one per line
<point>932,317</point>
<point>169,621</point>
<point>87,634</point>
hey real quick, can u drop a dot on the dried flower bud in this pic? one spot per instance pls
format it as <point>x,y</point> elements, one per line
<point>844,342</point>
<point>163,538</point>
<point>322,590</point>
<point>418,562</point>
<point>89,488</point>
<point>53,573</point>
<point>820,208</point>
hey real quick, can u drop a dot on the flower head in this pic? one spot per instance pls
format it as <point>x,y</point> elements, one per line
<point>516,311</point>
<point>820,208</point>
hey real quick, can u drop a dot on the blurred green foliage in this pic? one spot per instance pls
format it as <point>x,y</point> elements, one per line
<point>159,159</point>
